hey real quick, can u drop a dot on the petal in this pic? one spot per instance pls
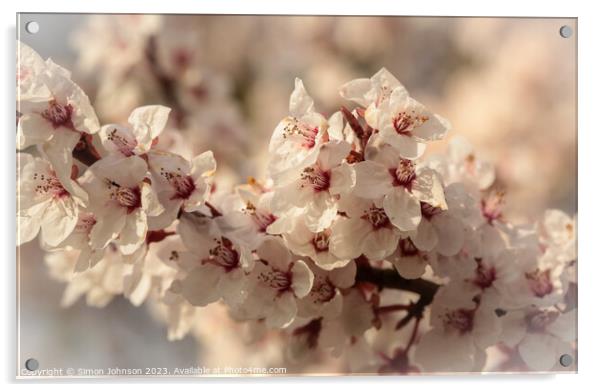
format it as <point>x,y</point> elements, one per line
<point>203,165</point>
<point>437,352</point>
<point>58,222</point>
<point>300,102</point>
<point>409,267</point>
<point>357,91</point>
<point>428,188</point>
<point>107,228</point>
<point>372,180</point>
<point>380,243</point>
<point>434,129</point>
<point>342,179</point>
<point>28,228</point>
<point>283,312</point>
<point>273,250</point>
<point>538,350</point>
<point>333,153</point>
<point>403,209</point>
<point>303,279</point>
<point>133,233</point>
<point>407,146</point>
<point>347,237</point>
<point>33,129</point>
<point>425,237</point>
<point>450,233</point>
<point>199,287</point>
<point>150,201</point>
<point>147,123</point>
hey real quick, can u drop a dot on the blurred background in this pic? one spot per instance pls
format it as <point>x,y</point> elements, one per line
<point>508,85</point>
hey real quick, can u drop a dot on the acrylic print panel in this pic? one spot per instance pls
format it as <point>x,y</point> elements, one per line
<point>295,195</point>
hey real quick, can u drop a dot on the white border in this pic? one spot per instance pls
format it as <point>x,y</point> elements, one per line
<point>590,167</point>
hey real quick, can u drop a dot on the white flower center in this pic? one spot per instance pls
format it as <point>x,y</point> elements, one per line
<point>306,132</point>
<point>316,178</point>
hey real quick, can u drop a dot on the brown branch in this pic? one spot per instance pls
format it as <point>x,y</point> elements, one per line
<point>390,279</point>
<point>84,150</point>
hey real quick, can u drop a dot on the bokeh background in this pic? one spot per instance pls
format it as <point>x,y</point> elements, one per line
<point>508,85</point>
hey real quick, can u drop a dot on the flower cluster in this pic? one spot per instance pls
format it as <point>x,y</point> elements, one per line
<point>357,244</point>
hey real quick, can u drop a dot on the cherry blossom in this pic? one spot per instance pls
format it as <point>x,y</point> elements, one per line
<point>276,282</point>
<point>353,248</point>
<point>120,193</point>
<point>53,111</point>
<point>214,266</point>
<point>45,202</point>
<point>407,188</point>
<point>314,188</point>
<point>145,124</point>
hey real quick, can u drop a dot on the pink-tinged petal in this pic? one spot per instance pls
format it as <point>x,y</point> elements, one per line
<point>439,352</point>
<point>231,287</point>
<point>403,209</point>
<point>198,233</point>
<point>539,352</point>
<point>58,221</point>
<point>407,146</point>
<point>28,228</point>
<point>283,311</point>
<point>333,153</point>
<point>33,129</point>
<point>412,267</point>
<point>565,326</point>
<point>514,328</point>
<point>303,279</point>
<point>203,165</point>
<point>59,151</point>
<point>336,126</point>
<point>428,188</point>
<point>343,277</point>
<point>147,123</point>
<point>273,250</point>
<point>425,237</point>
<point>347,237</point>
<point>107,228</point>
<point>372,180</point>
<point>127,172</point>
<point>300,102</point>
<point>357,91</point>
<point>342,179</point>
<point>450,234</point>
<point>133,233</point>
<point>380,243</point>
<point>320,213</point>
<point>434,129</point>
<point>150,201</point>
<point>199,287</point>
